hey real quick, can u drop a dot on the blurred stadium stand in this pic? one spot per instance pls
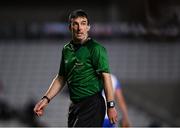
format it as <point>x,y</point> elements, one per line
<point>145,19</point>
<point>58,30</point>
<point>142,39</point>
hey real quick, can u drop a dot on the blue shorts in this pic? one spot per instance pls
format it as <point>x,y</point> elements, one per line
<point>107,123</point>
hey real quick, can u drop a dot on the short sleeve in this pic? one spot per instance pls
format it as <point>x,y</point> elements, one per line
<point>100,59</point>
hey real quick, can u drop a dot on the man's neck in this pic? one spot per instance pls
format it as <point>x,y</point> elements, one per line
<point>80,41</point>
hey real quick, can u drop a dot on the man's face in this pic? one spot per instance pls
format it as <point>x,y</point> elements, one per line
<point>79,28</point>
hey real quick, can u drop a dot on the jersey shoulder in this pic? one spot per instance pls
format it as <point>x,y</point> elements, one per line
<point>67,45</point>
<point>93,45</point>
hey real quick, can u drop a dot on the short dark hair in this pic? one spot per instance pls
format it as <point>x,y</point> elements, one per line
<point>78,13</point>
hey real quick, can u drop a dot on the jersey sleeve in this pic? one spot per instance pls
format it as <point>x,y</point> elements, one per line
<point>100,59</point>
<point>115,82</point>
<point>118,85</point>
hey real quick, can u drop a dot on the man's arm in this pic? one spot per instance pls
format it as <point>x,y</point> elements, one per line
<point>56,85</point>
<point>122,105</point>
<point>108,89</point>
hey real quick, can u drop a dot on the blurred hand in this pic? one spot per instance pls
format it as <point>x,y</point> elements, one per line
<point>125,123</point>
<point>40,106</point>
<point>112,114</point>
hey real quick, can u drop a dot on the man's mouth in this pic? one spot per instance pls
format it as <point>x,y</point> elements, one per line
<point>79,34</point>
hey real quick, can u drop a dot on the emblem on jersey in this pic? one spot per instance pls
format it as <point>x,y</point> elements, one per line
<point>66,61</point>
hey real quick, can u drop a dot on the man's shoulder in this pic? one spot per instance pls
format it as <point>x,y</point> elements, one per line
<point>67,45</point>
<point>93,44</point>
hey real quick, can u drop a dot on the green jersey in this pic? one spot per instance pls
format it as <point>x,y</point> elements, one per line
<point>81,68</point>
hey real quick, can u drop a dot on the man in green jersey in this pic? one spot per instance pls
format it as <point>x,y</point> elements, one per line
<point>85,68</point>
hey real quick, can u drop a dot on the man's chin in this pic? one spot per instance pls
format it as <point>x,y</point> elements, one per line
<point>79,38</point>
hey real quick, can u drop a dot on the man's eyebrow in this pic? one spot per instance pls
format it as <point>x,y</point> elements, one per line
<point>84,21</point>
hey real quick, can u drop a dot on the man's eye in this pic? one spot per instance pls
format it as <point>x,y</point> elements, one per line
<point>74,24</point>
<point>83,23</point>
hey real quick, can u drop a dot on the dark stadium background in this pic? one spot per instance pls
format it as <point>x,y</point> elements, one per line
<point>141,36</point>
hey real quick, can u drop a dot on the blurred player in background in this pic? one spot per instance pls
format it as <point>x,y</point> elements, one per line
<point>117,89</point>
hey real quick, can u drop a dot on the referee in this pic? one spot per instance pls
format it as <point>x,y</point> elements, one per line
<point>84,67</point>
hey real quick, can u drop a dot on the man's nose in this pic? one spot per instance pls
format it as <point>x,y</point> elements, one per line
<point>79,27</point>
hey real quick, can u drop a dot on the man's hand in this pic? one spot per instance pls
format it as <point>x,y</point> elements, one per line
<point>112,114</point>
<point>40,106</point>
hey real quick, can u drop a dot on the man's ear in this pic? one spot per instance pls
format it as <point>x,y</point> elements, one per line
<point>89,27</point>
